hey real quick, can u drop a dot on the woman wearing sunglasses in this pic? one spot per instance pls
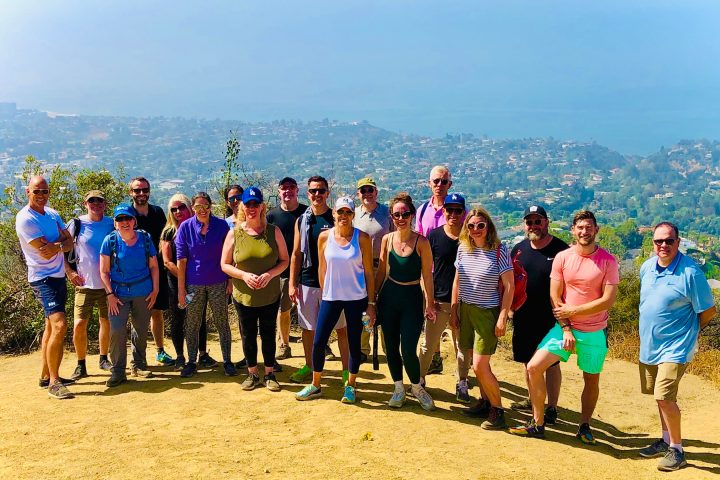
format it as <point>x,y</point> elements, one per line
<point>405,261</point>
<point>201,281</point>
<point>254,255</point>
<point>179,209</point>
<point>478,310</point>
<point>233,196</point>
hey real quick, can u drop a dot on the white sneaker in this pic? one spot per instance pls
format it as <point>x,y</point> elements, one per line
<point>426,402</point>
<point>397,400</point>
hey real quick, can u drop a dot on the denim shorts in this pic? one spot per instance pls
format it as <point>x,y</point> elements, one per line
<point>51,292</point>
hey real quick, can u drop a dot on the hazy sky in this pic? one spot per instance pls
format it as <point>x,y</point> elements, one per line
<point>632,75</point>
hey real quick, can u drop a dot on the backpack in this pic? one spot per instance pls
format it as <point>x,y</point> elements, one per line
<point>71,257</point>
<point>520,276</point>
<point>113,241</point>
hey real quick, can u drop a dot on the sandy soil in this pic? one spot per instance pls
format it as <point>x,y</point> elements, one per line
<point>207,427</point>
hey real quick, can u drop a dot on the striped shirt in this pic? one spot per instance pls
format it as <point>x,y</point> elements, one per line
<point>478,274</point>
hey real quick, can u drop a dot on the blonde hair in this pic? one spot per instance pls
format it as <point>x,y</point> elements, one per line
<point>241,215</point>
<point>171,222</point>
<point>492,240</point>
<point>441,169</point>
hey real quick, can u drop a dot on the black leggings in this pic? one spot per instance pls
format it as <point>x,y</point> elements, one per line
<point>401,314</point>
<point>250,317</point>
<point>177,320</point>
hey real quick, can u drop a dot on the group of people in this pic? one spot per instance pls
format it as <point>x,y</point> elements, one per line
<point>351,268</point>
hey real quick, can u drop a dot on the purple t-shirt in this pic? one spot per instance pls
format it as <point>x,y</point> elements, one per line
<point>203,252</point>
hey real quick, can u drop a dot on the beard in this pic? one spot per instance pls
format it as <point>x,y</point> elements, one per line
<point>534,237</point>
<point>143,200</point>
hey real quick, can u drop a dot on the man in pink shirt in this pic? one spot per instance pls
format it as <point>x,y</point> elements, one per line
<point>430,214</point>
<point>583,286</point>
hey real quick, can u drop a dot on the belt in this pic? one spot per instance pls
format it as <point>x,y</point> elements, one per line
<point>414,282</point>
<point>130,284</point>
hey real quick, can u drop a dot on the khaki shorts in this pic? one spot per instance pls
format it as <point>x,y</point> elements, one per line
<point>477,328</point>
<point>661,380</point>
<point>85,300</point>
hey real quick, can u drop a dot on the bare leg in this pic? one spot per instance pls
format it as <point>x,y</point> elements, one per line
<point>284,327</point>
<point>344,347</point>
<point>553,378</point>
<point>536,368</point>
<point>80,338</point>
<point>487,379</point>
<point>590,395</point>
<point>104,336</point>
<point>44,343</point>
<point>307,339</point>
<point>54,349</point>
<point>670,416</point>
<point>157,327</point>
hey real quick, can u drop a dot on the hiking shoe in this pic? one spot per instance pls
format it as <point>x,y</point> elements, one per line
<point>80,372</point>
<point>426,401</point>
<point>436,364</point>
<point>397,400</point>
<point>284,352</point>
<point>114,381</point>
<point>45,382</point>
<point>551,415</point>
<point>271,383</point>
<point>277,368</point>
<point>188,370</point>
<point>585,435</point>
<point>179,363</point>
<point>329,355</point>
<point>530,429</point>
<point>242,364</point>
<point>523,405</point>
<point>461,392</point>
<point>673,460</point>
<point>105,364</point>
<point>206,361</point>
<point>658,448</point>
<point>136,371</point>
<point>308,393</point>
<point>348,395</point>
<point>250,382</point>
<point>230,370</point>
<point>302,375</point>
<point>409,391</point>
<point>479,410</point>
<point>163,359</point>
<point>59,391</point>
<point>495,420</point>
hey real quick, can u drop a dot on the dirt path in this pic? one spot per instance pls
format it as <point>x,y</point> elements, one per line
<point>208,427</point>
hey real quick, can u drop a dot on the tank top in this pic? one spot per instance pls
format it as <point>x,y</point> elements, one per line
<point>344,273</point>
<point>404,269</point>
<point>255,254</point>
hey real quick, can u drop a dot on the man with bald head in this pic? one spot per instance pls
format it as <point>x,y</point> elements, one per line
<point>43,239</point>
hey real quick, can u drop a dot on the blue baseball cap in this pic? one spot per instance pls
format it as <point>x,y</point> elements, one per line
<point>124,210</point>
<point>455,199</point>
<point>252,194</point>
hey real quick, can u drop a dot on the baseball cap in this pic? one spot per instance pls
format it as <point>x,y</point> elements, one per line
<point>94,193</point>
<point>287,180</point>
<point>455,199</point>
<point>366,181</point>
<point>344,202</point>
<point>123,209</point>
<point>252,194</point>
<point>535,210</point>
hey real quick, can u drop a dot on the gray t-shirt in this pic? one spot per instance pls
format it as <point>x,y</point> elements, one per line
<point>376,224</point>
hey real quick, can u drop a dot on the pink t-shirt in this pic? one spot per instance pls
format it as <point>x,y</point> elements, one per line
<point>585,278</point>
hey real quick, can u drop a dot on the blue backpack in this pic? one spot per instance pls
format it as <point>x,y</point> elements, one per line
<point>113,241</point>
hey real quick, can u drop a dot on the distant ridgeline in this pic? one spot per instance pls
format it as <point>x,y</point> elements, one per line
<point>680,183</point>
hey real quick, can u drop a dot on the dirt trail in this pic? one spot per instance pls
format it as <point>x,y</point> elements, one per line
<point>207,427</point>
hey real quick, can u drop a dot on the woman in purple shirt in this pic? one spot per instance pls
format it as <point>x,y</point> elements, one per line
<point>201,281</point>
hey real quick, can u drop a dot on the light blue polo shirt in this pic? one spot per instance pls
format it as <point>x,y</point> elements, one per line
<point>670,301</point>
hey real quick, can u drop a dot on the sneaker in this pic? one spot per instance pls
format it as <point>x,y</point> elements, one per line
<point>277,368</point>
<point>479,410</point>
<point>523,405</point>
<point>105,364</point>
<point>397,400</point>
<point>242,364</point>
<point>308,393</point>
<point>551,415</point>
<point>345,377</point>
<point>271,383</point>
<point>188,370</point>
<point>426,401</point>
<point>461,392</point>
<point>329,355</point>
<point>163,359</point>
<point>206,361</point>
<point>80,372</point>
<point>348,395</point>
<point>363,357</point>
<point>585,435</point>
<point>302,375</point>
<point>436,364</point>
<point>136,371</point>
<point>673,460</point>
<point>495,420</point>
<point>658,448</point>
<point>530,429</point>
<point>250,382</point>
<point>230,370</point>
<point>114,381</point>
<point>409,391</point>
<point>284,352</point>
<point>59,391</point>
<point>179,363</point>
<point>45,382</point>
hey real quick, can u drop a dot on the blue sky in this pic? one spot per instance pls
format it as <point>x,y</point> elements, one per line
<point>632,77</point>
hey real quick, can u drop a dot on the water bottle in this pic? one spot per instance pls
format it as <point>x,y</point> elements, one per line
<point>188,299</point>
<point>366,322</point>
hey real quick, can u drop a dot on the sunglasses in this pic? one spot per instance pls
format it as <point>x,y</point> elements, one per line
<point>252,204</point>
<point>123,218</point>
<point>365,190</point>
<point>454,211</point>
<point>95,200</point>
<point>440,181</point>
<point>403,215</point>
<point>141,190</point>
<point>181,208</point>
<point>317,191</point>
<point>40,191</point>
<point>530,223</point>
<point>344,212</point>
<point>234,198</point>
<point>667,241</point>
<point>201,208</point>
<point>477,226</point>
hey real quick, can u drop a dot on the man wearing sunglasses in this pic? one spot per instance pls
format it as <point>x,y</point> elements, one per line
<point>151,218</point>
<point>89,289</point>
<point>430,213</point>
<point>675,304</point>
<point>43,239</point>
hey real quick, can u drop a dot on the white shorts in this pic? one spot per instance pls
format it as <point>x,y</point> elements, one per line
<point>309,299</point>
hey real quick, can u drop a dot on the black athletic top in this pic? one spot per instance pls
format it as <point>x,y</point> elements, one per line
<point>444,251</point>
<point>318,224</point>
<point>285,221</point>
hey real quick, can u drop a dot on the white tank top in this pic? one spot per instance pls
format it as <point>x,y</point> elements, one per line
<point>344,275</point>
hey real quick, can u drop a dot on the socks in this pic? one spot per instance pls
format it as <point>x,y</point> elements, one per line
<point>103,357</point>
<point>81,362</point>
<point>666,437</point>
<point>677,446</point>
<point>160,350</point>
<point>399,387</point>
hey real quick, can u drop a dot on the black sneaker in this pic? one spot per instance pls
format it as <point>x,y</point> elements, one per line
<point>242,364</point>
<point>523,405</point>
<point>495,420</point>
<point>585,434</point>
<point>206,361</point>
<point>115,380</point>
<point>105,364</point>
<point>329,355</point>
<point>80,372</point>
<point>436,364</point>
<point>189,370</point>
<point>277,368</point>
<point>179,363</point>
<point>479,410</point>
<point>363,357</point>
<point>551,415</point>
<point>673,460</point>
<point>656,449</point>
<point>530,429</point>
<point>230,370</point>
<point>45,382</point>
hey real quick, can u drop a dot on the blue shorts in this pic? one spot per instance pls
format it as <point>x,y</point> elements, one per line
<point>51,292</point>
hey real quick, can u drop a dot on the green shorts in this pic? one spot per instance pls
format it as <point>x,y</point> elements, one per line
<point>477,328</point>
<point>590,348</point>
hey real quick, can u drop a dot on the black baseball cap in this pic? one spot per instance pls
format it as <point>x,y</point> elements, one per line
<point>535,210</point>
<point>287,180</point>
